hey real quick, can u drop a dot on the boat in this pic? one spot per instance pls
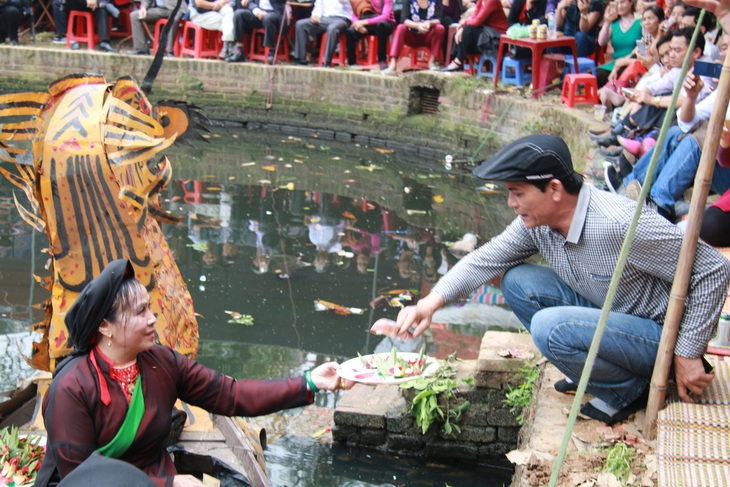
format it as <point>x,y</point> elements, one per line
<point>225,451</point>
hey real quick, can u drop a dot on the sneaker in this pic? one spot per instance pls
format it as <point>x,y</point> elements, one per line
<point>59,40</point>
<point>298,62</point>
<point>225,50</point>
<point>612,179</point>
<point>75,46</point>
<point>606,140</point>
<point>138,52</point>
<point>611,151</point>
<point>236,57</point>
<point>106,47</point>
<point>387,71</point>
<point>434,67</point>
<point>382,65</point>
<point>633,190</point>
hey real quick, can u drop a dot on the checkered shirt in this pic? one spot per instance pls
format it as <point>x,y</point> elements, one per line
<point>586,259</point>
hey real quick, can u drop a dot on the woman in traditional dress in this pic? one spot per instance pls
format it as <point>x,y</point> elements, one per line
<point>115,393</point>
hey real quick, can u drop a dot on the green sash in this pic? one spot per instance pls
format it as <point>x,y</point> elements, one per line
<point>124,437</point>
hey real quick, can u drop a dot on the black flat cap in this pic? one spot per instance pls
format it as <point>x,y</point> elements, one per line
<point>536,157</point>
<point>94,302</point>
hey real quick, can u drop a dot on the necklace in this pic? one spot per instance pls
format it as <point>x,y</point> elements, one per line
<point>126,376</point>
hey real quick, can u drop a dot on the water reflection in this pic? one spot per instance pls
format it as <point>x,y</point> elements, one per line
<point>269,225</point>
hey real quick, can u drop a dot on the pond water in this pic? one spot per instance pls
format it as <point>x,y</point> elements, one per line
<point>272,223</point>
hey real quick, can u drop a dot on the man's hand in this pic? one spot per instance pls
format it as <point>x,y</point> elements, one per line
<point>418,315</point>
<point>693,85</point>
<point>314,19</point>
<point>91,4</point>
<point>360,26</point>
<point>691,377</point>
<point>260,14</point>
<point>721,9</point>
<point>244,3</point>
<point>142,12</point>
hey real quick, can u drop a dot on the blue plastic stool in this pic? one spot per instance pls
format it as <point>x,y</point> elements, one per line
<point>492,72</point>
<point>585,65</point>
<point>514,72</point>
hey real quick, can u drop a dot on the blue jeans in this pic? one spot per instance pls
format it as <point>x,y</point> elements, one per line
<point>676,170</point>
<point>562,324</point>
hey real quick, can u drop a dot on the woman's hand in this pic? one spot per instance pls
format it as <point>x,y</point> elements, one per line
<point>457,36</point>
<point>611,12</point>
<point>186,481</point>
<point>325,377</point>
<point>424,27</point>
<point>584,6</point>
<point>91,4</point>
<point>613,75</point>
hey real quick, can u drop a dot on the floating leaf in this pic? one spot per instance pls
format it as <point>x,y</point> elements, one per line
<point>245,164</point>
<point>299,161</point>
<point>269,168</point>
<point>336,158</point>
<point>240,319</point>
<point>437,198</point>
<point>383,150</point>
<point>311,146</point>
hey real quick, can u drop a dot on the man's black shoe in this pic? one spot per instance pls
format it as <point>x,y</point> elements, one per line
<point>611,151</point>
<point>566,387</point>
<point>667,213</point>
<point>592,412</point>
<point>106,47</point>
<point>138,52</point>
<point>270,59</point>
<point>236,57</point>
<point>606,140</point>
<point>298,62</point>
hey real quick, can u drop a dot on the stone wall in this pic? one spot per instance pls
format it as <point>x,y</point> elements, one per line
<point>353,103</point>
<point>379,417</point>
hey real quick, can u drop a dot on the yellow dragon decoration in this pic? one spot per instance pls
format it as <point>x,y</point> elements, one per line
<point>84,155</point>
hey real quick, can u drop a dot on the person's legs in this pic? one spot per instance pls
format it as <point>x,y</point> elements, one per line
<point>585,44</point>
<point>271,24</point>
<point>227,23</point>
<point>468,44</point>
<point>562,324</point>
<point>528,288</point>
<point>352,37</point>
<point>335,26</point>
<point>676,175</point>
<point>60,18</point>
<point>303,29</point>
<point>434,39</point>
<point>12,19</point>
<point>626,356</point>
<point>383,31</point>
<point>396,45</point>
<point>641,166</point>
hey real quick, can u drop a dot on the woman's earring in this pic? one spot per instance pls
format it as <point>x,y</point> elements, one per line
<point>109,343</point>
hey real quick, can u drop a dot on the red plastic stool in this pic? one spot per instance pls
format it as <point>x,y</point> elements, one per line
<point>472,60</point>
<point>260,53</point>
<point>200,43</point>
<point>572,83</point>
<point>338,59</point>
<point>81,29</point>
<point>420,57</point>
<point>124,24</point>
<point>367,50</point>
<point>176,47</point>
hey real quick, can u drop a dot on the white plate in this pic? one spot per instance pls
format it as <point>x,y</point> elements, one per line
<point>356,371</point>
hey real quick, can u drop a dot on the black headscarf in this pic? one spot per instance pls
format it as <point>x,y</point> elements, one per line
<point>93,304</point>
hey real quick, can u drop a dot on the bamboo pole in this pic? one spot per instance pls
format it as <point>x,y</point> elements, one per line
<point>678,295</point>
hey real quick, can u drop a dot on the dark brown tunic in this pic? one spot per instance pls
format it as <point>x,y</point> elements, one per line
<point>78,423</point>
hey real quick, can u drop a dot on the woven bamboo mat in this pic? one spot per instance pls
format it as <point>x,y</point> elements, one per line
<point>693,440</point>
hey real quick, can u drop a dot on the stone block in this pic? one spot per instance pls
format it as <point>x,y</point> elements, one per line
<point>406,443</point>
<point>502,417</point>
<point>476,415</point>
<point>508,434</point>
<point>400,423</point>
<point>496,450</point>
<point>345,434</point>
<point>367,406</point>
<point>495,341</point>
<point>472,434</point>
<point>372,437</point>
<point>451,449</point>
<point>343,136</point>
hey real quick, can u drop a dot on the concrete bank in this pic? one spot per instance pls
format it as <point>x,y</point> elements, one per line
<point>454,114</point>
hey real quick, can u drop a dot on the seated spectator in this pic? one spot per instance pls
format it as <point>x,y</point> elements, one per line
<point>215,15</point>
<point>621,29</point>
<point>479,33</point>
<point>259,14</point>
<point>680,155</point>
<point>673,15</point>
<point>149,12</point>
<point>650,103</point>
<point>371,17</point>
<point>328,16</point>
<point>11,14</point>
<point>709,22</point>
<point>523,12</point>
<point>420,26</point>
<point>579,19</point>
<point>100,11</point>
<point>657,64</point>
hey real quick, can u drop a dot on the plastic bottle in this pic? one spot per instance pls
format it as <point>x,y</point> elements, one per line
<point>552,26</point>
